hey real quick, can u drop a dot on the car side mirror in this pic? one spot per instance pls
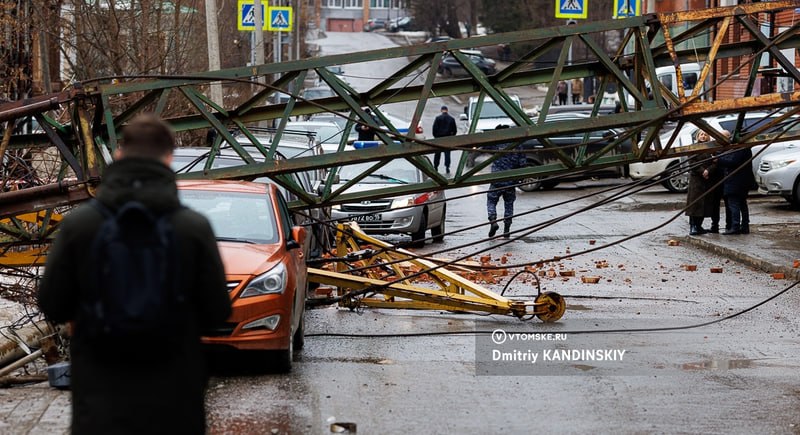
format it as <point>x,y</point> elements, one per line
<point>462,117</point>
<point>298,238</point>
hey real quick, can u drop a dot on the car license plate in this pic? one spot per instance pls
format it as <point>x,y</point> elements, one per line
<point>365,217</point>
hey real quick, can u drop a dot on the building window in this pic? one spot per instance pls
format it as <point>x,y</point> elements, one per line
<point>399,4</point>
<point>379,4</point>
<point>354,4</point>
<point>332,3</point>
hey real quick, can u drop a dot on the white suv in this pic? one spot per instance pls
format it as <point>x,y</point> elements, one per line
<point>779,174</point>
<point>680,182</point>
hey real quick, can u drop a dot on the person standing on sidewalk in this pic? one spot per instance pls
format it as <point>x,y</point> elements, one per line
<point>130,374</point>
<point>738,179</point>
<point>697,208</point>
<point>444,125</point>
<point>561,90</point>
<point>505,189</point>
<point>577,90</point>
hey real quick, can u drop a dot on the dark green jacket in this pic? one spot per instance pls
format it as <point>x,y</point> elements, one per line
<point>158,392</point>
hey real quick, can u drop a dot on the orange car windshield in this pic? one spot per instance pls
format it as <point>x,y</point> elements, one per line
<point>234,216</point>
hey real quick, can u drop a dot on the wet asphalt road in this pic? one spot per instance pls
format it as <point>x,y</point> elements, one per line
<point>738,376</point>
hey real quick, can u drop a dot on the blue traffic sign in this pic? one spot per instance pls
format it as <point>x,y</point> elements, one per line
<point>247,16</point>
<point>280,19</point>
<point>627,8</point>
<point>571,9</point>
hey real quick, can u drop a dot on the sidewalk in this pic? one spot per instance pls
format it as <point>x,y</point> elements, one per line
<point>769,247</point>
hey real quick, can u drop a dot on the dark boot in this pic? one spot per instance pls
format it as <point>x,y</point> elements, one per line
<point>694,227</point>
<point>493,229</point>
<point>745,228</point>
<point>507,230</point>
<point>714,227</point>
<point>735,229</point>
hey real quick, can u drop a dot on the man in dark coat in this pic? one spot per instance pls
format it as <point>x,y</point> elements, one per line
<point>149,391</point>
<point>443,125</point>
<point>505,189</point>
<point>365,132</point>
<point>738,179</point>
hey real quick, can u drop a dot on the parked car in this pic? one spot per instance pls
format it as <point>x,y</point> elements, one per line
<point>193,159</point>
<point>679,183</point>
<point>402,24</point>
<point>451,67</point>
<point>336,69</point>
<point>327,134</point>
<point>779,174</point>
<point>317,93</point>
<point>438,39</point>
<point>597,140</point>
<point>374,24</point>
<point>408,214</point>
<point>261,250</point>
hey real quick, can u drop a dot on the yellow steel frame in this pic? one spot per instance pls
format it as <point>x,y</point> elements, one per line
<point>369,285</point>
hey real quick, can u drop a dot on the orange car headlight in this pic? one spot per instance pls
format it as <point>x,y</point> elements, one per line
<point>270,282</point>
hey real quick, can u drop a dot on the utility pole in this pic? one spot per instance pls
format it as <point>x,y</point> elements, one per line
<point>214,64</point>
<point>258,46</point>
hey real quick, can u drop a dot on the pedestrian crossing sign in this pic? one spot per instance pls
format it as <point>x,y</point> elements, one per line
<point>571,9</point>
<point>280,19</point>
<point>247,16</point>
<point>627,8</point>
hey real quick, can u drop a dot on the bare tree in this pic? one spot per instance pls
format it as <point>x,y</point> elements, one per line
<point>128,37</point>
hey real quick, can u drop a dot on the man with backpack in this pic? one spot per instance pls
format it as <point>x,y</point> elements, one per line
<point>139,278</point>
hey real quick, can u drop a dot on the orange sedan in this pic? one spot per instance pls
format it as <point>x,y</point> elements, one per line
<point>264,264</point>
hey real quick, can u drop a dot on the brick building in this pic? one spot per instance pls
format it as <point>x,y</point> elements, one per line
<point>770,78</point>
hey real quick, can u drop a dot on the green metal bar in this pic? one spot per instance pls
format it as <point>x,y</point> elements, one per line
<point>528,58</point>
<point>785,63</point>
<point>551,89</point>
<point>264,93</point>
<point>352,182</point>
<point>276,139</point>
<point>404,72</point>
<point>137,106</point>
<point>223,132</point>
<point>650,67</point>
<point>751,82</point>
<point>110,124</point>
<point>345,92</point>
<point>426,91</point>
<point>611,67</point>
<point>162,101</point>
<point>252,138</point>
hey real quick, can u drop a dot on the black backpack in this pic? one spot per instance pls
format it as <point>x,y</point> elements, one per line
<point>134,299</point>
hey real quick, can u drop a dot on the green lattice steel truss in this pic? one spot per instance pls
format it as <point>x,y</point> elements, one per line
<point>90,115</point>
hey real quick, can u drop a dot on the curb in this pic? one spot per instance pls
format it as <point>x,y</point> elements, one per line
<point>741,257</point>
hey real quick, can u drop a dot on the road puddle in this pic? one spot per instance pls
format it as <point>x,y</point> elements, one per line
<point>718,364</point>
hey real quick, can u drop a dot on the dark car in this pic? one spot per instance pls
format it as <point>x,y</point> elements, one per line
<point>451,67</point>
<point>598,139</point>
<point>402,24</point>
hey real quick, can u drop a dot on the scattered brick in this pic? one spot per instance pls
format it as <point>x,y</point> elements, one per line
<point>778,275</point>
<point>592,242</point>
<point>673,243</point>
<point>716,270</point>
<point>690,267</point>
<point>590,279</point>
